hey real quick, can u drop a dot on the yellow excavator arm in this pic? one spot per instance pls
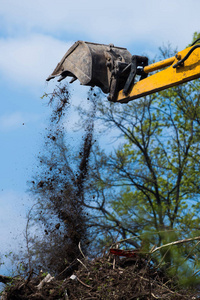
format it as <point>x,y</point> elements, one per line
<point>114,70</point>
<point>182,67</point>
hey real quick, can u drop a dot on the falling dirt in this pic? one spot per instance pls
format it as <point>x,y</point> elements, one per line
<point>106,277</point>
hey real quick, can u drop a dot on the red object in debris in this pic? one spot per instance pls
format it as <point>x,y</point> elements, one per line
<point>127,253</point>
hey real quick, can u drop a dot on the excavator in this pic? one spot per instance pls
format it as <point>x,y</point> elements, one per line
<point>124,76</point>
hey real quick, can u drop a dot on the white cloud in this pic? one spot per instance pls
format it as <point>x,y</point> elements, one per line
<point>11,121</point>
<point>105,21</point>
<point>29,61</point>
<point>36,27</point>
<point>16,119</point>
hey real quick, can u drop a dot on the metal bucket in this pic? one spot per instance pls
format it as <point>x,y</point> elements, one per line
<point>95,65</point>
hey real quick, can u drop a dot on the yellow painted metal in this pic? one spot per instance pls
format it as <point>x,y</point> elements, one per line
<point>159,65</point>
<point>166,78</point>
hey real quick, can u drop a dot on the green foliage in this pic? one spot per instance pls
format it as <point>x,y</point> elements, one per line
<point>196,36</point>
<point>148,187</point>
<point>146,191</point>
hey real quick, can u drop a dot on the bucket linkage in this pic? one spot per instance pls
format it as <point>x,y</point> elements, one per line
<point>106,66</point>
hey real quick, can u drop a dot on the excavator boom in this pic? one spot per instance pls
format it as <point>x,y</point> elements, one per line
<point>178,69</point>
<point>114,70</point>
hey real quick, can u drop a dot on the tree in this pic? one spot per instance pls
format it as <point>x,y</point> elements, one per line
<point>153,167</point>
<point>58,187</point>
<point>148,189</point>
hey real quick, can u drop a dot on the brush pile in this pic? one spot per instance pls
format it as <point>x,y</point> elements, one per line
<point>108,277</point>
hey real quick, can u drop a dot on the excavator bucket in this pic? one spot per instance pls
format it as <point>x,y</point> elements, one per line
<point>105,66</point>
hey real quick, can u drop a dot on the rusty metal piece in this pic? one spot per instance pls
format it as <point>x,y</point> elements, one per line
<point>95,65</point>
<point>127,253</point>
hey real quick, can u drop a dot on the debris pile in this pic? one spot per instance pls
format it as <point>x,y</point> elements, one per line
<point>108,277</point>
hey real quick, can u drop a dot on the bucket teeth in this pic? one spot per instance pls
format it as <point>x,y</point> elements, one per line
<point>73,79</point>
<point>95,65</point>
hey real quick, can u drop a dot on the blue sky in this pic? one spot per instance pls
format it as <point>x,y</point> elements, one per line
<point>34,36</point>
